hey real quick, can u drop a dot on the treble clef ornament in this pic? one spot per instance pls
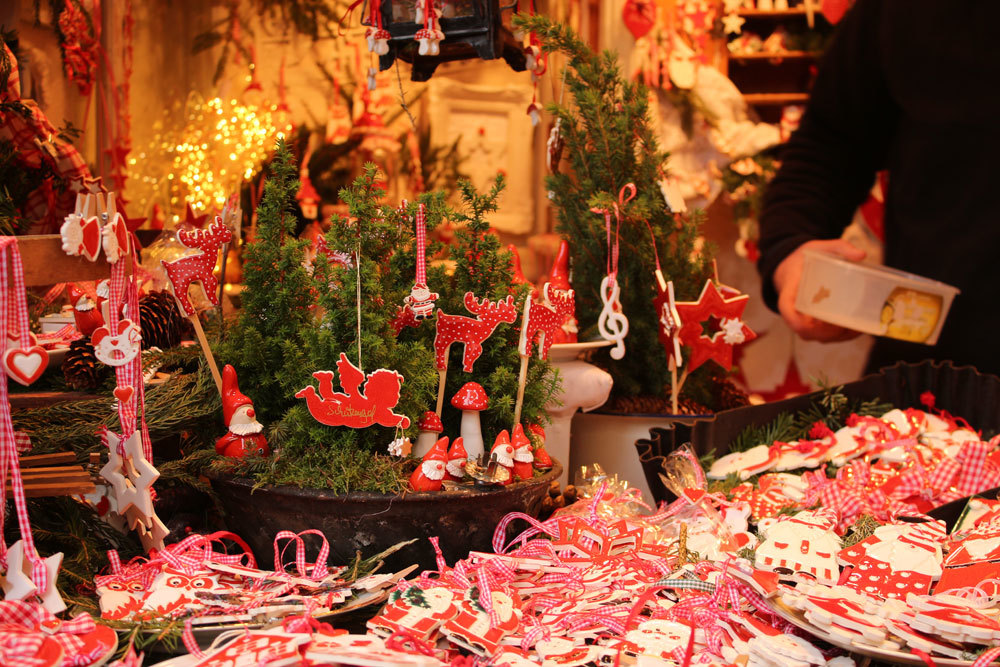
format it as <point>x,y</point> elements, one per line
<point>612,322</point>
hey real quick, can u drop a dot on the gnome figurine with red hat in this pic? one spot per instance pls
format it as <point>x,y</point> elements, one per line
<point>244,437</point>
<point>524,455</point>
<point>456,461</point>
<point>503,452</point>
<point>542,459</point>
<point>429,475</point>
<point>559,279</point>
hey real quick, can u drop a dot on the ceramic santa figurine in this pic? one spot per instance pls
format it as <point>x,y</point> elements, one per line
<point>429,475</point>
<point>457,457</point>
<point>542,459</point>
<point>244,436</point>
<point>524,456</point>
<point>503,451</point>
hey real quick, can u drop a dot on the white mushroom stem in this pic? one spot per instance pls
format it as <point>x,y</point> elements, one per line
<point>472,435</point>
<point>425,440</point>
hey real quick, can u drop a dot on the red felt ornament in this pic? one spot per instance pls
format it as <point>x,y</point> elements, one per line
<point>719,345</point>
<point>356,406</point>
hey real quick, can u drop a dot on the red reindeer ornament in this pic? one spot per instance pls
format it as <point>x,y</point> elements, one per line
<point>468,331</point>
<point>542,320</point>
<point>198,268</point>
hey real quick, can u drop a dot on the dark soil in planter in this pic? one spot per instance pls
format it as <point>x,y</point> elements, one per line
<point>371,522</point>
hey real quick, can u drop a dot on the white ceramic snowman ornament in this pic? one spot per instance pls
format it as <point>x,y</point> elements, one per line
<point>801,546</point>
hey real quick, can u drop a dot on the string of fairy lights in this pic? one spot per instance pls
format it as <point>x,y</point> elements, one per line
<point>201,156</point>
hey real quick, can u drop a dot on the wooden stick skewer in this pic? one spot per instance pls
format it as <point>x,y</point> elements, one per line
<point>442,376</point>
<point>522,379</point>
<point>202,340</point>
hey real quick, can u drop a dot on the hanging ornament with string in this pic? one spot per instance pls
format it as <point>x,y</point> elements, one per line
<point>612,322</point>
<point>430,36</point>
<point>421,300</point>
<point>376,34</point>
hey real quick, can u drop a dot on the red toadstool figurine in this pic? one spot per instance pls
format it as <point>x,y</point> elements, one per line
<point>428,429</point>
<point>457,457</point>
<point>523,454</point>
<point>429,475</point>
<point>471,399</point>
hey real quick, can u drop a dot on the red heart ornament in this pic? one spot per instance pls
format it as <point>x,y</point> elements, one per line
<point>639,17</point>
<point>123,394</point>
<point>25,365</point>
<point>90,244</point>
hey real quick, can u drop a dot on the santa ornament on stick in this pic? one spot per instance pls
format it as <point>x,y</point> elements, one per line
<point>244,436</point>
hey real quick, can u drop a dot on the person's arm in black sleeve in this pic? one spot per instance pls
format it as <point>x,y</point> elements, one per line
<point>829,163</point>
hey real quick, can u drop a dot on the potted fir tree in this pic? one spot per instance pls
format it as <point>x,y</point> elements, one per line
<point>607,141</point>
<point>297,320</point>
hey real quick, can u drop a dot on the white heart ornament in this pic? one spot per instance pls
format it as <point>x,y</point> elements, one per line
<point>120,348</point>
<point>25,365</point>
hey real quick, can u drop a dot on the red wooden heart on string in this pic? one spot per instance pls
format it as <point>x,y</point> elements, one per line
<point>639,17</point>
<point>25,365</point>
<point>123,394</point>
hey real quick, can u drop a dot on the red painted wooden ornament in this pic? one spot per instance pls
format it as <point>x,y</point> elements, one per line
<point>198,268</point>
<point>719,346</point>
<point>468,331</point>
<point>356,406</point>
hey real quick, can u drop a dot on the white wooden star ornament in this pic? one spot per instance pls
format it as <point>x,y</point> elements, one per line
<point>16,584</point>
<point>130,476</point>
<point>151,530</point>
<point>733,24</point>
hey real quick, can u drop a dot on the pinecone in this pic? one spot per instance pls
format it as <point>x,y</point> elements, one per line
<point>162,324</point>
<point>82,370</point>
<point>726,394</point>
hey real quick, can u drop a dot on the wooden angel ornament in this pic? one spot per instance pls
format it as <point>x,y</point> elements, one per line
<point>356,406</point>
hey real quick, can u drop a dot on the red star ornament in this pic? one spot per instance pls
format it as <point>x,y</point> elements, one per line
<point>196,221</point>
<point>719,346</point>
<point>131,224</point>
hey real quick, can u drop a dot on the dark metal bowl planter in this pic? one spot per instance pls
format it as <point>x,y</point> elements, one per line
<point>464,519</point>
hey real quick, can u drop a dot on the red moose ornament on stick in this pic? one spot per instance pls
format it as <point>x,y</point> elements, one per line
<point>539,323</point>
<point>471,332</point>
<point>198,268</point>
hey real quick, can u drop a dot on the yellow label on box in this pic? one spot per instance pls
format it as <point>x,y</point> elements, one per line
<point>911,315</point>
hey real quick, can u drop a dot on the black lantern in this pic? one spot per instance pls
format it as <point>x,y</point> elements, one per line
<point>472,29</point>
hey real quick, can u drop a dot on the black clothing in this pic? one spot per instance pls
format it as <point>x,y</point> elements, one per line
<point>912,86</point>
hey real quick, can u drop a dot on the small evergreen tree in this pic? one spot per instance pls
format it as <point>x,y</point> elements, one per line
<point>609,142</point>
<point>295,322</point>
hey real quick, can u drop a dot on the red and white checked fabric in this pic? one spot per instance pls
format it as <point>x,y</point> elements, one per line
<point>421,246</point>
<point>25,625</point>
<point>123,289</point>
<point>9,460</point>
<point>319,568</point>
<point>22,442</point>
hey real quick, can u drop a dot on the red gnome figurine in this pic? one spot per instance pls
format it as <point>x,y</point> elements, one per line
<point>524,456</point>
<point>504,453</point>
<point>456,461</point>
<point>430,473</point>
<point>244,436</point>
<point>542,459</point>
<point>559,280</point>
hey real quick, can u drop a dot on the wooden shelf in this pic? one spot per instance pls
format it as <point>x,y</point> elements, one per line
<point>784,55</point>
<point>772,13</point>
<point>775,99</point>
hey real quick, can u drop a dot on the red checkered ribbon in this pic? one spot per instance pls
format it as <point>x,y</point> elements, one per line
<point>9,461</point>
<point>22,442</point>
<point>986,658</point>
<point>318,569</point>
<point>421,246</point>
<point>123,290</point>
<point>25,625</point>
